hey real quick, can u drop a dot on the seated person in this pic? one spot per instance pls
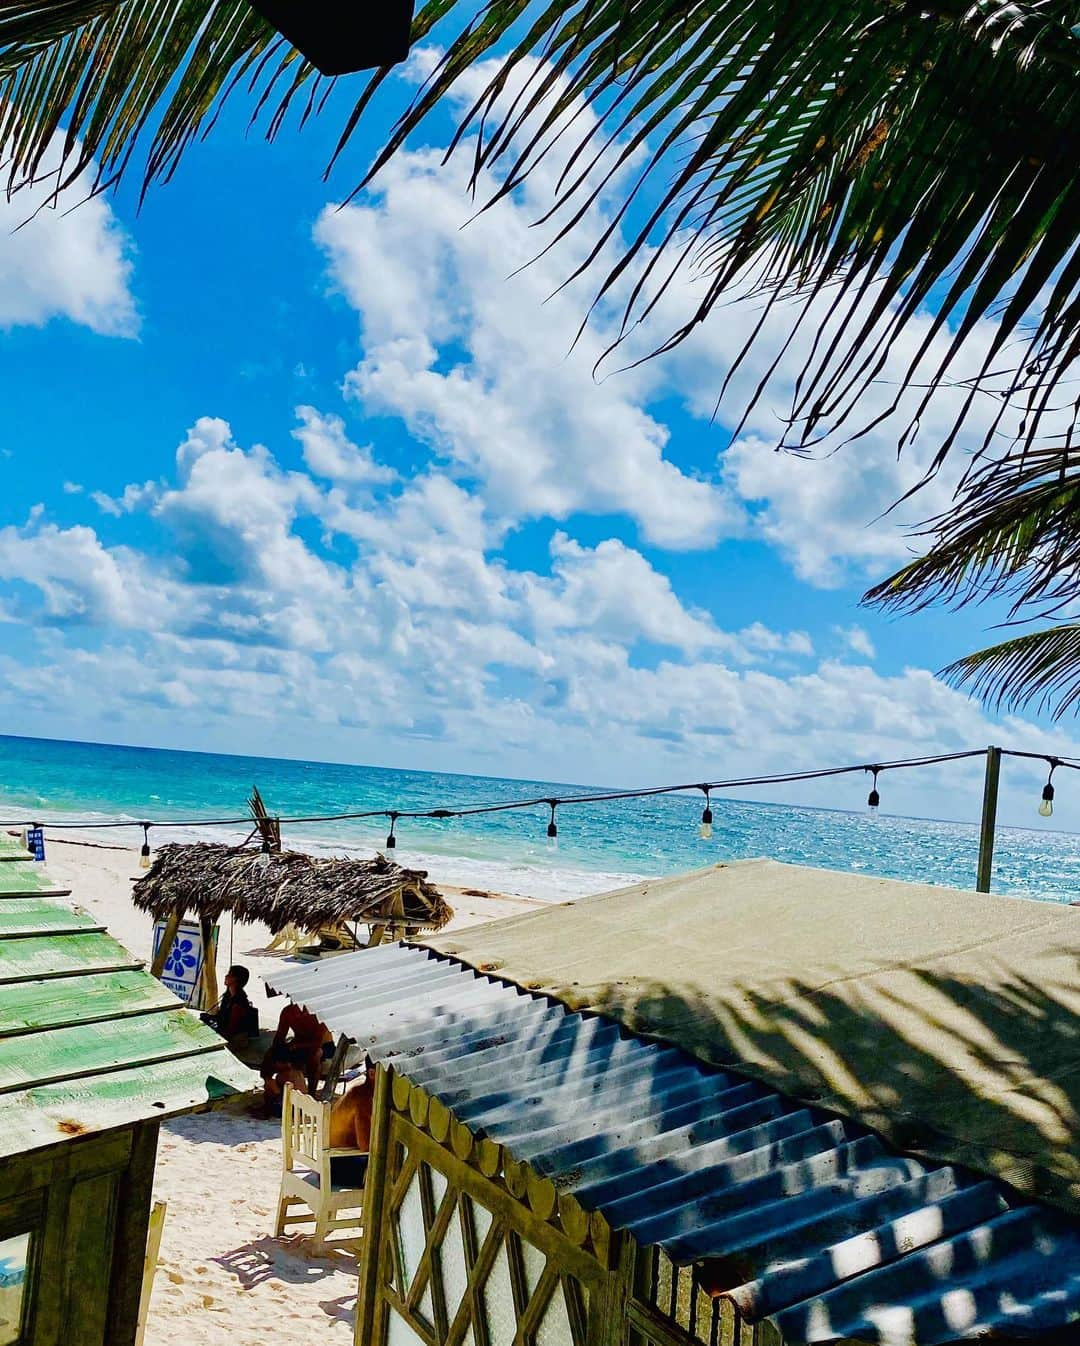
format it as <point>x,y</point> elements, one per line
<point>233,1014</point>
<point>350,1128</point>
<point>301,1041</point>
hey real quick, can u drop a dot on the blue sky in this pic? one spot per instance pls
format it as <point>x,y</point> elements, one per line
<point>329,483</point>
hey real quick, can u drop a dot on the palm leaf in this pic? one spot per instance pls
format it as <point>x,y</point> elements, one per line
<point>1014,531</point>
<point>1042,667</point>
<point>897,154</point>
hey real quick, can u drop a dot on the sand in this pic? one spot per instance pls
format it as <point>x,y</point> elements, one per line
<point>221,1276</point>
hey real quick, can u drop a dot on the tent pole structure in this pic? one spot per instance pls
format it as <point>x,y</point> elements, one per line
<point>989,819</point>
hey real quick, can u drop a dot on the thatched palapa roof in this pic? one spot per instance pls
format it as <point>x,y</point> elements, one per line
<point>290,888</point>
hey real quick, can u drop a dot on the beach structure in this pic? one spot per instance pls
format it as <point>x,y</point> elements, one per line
<point>283,889</point>
<point>751,1105</point>
<point>94,1055</point>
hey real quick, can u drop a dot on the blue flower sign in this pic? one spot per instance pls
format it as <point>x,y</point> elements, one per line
<point>183,962</point>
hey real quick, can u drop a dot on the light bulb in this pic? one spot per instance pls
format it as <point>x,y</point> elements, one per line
<point>1046,808</point>
<point>873,801</point>
<point>391,841</point>
<point>144,853</point>
<point>705,830</point>
<point>262,860</point>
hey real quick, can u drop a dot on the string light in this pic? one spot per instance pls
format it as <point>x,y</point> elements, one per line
<point>1046,808</point>
<point>705,830</point>
<point>873,799</point>
<point>552,827</point>
<point>597,797</point>
<point>262,860</point>
<point>144,853</point>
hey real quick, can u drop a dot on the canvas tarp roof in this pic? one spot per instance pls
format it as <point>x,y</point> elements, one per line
<point>946,1020</point>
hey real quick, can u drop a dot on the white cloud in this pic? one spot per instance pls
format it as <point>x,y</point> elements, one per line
<point>329,452</point>
<point>240,627</point>
<point>857,640</point>
<point>481,365</point>
<point>64,256</point>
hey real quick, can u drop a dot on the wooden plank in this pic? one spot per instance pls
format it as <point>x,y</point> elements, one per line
<point>33,1118</point>
<point>29,877</point>
<point>42,916</point>
<point>153,1246</point>
<point>89,1049</point>
<point>62,956</point>
<point>29,1006</point>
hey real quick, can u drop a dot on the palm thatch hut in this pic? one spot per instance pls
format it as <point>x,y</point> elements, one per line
<point>285,888</point>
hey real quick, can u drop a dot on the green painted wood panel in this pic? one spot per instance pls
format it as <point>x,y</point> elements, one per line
<point>42,916</point>
<point>73,1000</point>
<point>27,876</point>
<point>85,1268</point>
<point>61,955</point>
<point>67,1053</point>
<point>34,1118</point>
<point>11,848</point>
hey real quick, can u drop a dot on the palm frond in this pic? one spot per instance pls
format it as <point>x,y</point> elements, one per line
<point>1014,531</point>
<point>907,153</point>
<point>903,154</point>
<point>1041,668</point>
<point>107,70</point>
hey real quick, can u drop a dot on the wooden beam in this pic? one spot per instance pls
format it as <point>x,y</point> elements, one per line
<point>172,925</point>
<point>374,1205</point>
<point>208,980</point>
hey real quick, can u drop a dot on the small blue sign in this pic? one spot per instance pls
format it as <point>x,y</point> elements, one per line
<point>35,842</point>
<point>183,962</point>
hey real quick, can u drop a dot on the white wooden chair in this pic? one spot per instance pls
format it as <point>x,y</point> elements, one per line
<point>305,1177</point>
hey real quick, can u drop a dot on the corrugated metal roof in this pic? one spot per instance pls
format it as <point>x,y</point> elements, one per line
<point>88,1039</point>
<point>803,1218</point>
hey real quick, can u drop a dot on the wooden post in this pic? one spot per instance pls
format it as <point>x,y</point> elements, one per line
<point>209,982</point>
<point>374,1203</point>
<point>172,925</point>
<point>989,819</point>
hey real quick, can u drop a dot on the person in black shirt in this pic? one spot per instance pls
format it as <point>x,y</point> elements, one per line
<point>233,1013</point>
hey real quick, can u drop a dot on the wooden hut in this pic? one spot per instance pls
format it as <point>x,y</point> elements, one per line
<point>94,1055</point>
<point>592,1127</point>
<point>280,889</point>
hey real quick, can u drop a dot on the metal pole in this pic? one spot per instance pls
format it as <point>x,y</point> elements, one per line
<point>989,819</point>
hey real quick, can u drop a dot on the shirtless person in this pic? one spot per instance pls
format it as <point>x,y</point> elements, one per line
<point>301,1042</point>
<point>350,1128</point>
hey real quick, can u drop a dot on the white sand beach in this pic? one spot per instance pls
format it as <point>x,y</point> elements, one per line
<point>221,1276</point>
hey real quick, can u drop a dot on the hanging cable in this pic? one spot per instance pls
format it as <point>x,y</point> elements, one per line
<point>552,827</point>
<point>590,797</point>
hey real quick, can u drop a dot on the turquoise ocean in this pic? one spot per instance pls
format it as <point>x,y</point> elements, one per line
<point>599,846</point>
